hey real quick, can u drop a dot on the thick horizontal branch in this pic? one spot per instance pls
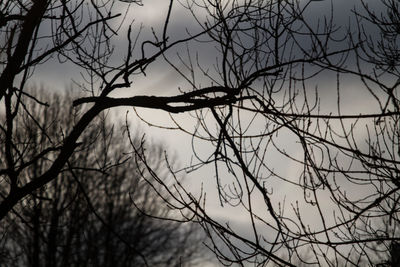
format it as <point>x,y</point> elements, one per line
<point>161,103</point>
<point>175,104</point>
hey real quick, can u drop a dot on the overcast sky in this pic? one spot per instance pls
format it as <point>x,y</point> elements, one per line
<point>162,80</point>
<point>152,14</point>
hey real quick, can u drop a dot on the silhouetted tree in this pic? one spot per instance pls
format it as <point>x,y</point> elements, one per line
<point>304,166</point>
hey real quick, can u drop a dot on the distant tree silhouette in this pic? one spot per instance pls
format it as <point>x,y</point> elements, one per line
<point>86,217</point>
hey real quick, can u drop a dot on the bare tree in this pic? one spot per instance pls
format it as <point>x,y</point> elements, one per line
<point>86,216</point>
<point>338,204</point>
<point>307,173</point>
